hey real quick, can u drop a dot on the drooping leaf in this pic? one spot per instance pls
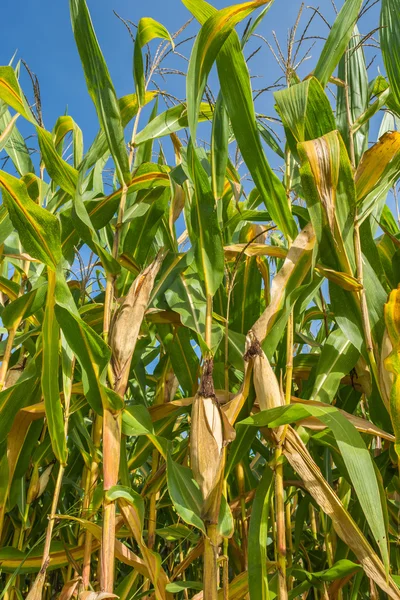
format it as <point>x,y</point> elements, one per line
<point>185,493</point>
<point>148,29</point>
<point>60,171</point>
<point>306,112</point>
<point>38,229</point>
<point>170,121</point>
<point>11,93</point>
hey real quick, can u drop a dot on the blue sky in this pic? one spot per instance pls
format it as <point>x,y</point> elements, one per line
<point>41,33</point>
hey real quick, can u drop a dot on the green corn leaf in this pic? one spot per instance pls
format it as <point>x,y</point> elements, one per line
<point>184,360</point>
<point>130,496</point>
<point>15,146</point>
<point>258,534</point>
<point>50,386</point>
<point>99,150</point>
<point>219,147</point>
<point>338,357</point>
<point>306,112</point>
<point>89,348</point>
<point>91,351</point>
<point>11,93</point>
<point>352,64</point>
<point>17,396</point>
<point>23,307</point>
<point>63,126</point>
<point>236,89</point>
<point>100,86</point>
<point>60,171</point>
<point>185,494</point>
<point>338,39</point>
<point>209,41</point>
<point>209,252</point>
<point>172,120</point>
<point>148,29</point>
<point>179,586</point>
<point>145,152</point>
<point>389,39</point>
<point>39,231</point>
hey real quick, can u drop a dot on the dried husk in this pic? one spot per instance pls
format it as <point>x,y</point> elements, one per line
<point>302,247</point>
<point>363,376</point>
<point>126,324</point>
<point>210,432</point>
<point>268,392</point>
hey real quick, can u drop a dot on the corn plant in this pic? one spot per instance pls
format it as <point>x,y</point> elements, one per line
<point>200,375</point>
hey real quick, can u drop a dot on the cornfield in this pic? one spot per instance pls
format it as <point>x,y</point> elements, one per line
<point>200,370</point>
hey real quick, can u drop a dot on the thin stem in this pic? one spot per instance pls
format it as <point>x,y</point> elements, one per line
<point>280,525</point>
<point>210,563</point>
<point>363,303</point>
<point>134,132</point>
<point>209,320</point>
<point>289,358</point>
<point>91,480</point>
<point>7,355</point>
<point>348,115</point>
<point>242,494</point>
<point>289,542</point>
<point>152,522</point>
<point>111,457</point>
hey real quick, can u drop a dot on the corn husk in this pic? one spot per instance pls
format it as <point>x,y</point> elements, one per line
<point>210,432</point>
<point>126,324</point>
<point>268,392</point>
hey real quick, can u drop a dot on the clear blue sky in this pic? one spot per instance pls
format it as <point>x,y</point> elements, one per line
<point>41,33</point>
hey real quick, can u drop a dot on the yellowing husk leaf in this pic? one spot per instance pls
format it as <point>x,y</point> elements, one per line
<point>323,154</point>
<point>385,376</point>
<point>35,593</point>
<point>375,161</point>
<point>297,263</point>
<point>392,362</point>
<point>96,595</point>
<point>69,588</point>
